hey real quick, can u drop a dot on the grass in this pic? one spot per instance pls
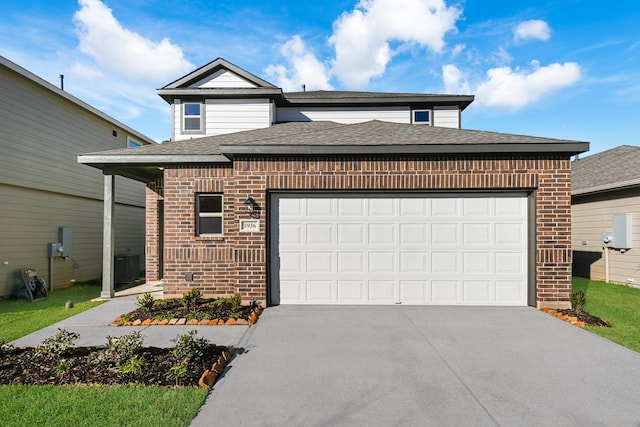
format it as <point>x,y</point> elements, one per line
<point>20,317</point>
<point>616,304</point>
<point>99,406</point>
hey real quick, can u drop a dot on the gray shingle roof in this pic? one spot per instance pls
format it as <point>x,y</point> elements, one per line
<point>328,137</point>
<point>610,170</point>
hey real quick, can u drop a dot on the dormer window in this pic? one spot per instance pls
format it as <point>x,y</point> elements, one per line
<point>192,117</point>
<point>421,117</point>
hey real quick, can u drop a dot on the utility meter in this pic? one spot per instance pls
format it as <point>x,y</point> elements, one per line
<point>607,239</point>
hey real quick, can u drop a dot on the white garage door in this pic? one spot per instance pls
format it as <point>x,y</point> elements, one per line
<point>409,250</point>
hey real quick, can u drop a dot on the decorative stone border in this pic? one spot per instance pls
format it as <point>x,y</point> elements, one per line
<point>253,318</point>
<point>209,377</point>
<point>569,319</point>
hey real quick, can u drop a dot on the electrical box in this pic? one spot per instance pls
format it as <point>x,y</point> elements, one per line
<point>607,239</point>
<point>622,238</point>
<point>65,237</point>
<point>54,249</point>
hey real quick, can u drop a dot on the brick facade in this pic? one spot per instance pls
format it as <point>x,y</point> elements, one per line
<point>237,262</point>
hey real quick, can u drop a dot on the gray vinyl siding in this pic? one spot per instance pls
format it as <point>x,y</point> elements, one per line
<point>30,220</point>
<point>344,115</point>
<point>593,215</point>
<point>223,79</point>
<point>42,186</point>
<point>447,117</point>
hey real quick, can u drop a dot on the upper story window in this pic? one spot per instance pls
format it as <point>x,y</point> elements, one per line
<point>422,117</point>
<point>131,143</point>
<point>192,114</point>
<point>209,214</point>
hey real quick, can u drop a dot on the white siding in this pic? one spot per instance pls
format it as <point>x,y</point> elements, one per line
<point>30,220</point>
<point>589,220</point>
<point>345,115</point>
<point>223,79</point>
<point>229,115</point>
<point>446,117</point>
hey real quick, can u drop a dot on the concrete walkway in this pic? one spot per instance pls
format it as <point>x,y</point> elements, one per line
<point>94,326</point>
<point>423,366</point>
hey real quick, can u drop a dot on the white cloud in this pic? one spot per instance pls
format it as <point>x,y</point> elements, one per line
<point>123,51</point>
<point>506,87</point>
<point>533,29</point>
<point>457,49</point>
<point>361,38</point>
<point>304,68</point>
<point>454,81</point>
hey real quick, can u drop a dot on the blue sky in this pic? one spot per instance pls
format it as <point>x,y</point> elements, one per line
<point>564,69</point>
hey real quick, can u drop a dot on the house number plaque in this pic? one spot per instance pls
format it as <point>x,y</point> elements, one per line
<point>249,225</point>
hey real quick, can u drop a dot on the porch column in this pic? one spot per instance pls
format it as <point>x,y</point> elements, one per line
<point>108,235</point>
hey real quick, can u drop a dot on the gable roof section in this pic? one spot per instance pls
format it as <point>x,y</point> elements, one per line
<point>181,88</point>
<point>4,62</point>
<point>610,170</point>
<point>330,138</point>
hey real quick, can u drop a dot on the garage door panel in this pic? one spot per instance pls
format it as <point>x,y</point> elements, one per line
<point>476,234</point>
<point>413,291</point>
<point>382,234</point>
<point>476,291</point>
<point>410,250</point>
<point>413,234</point>
<point>444,234</point>
<point>442,207</point>
<point>320,291</point>
<point>351,291</point>
<point>351,262</point>
<point>320,262</point>
<point>444,291</point>
<point>382,291</point>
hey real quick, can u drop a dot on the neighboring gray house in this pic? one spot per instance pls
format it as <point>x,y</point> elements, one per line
<point>43,188</point>
<point>605,198</point>
<point>327,197</point>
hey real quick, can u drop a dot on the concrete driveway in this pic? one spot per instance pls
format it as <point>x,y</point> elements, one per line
<point>423,366</point>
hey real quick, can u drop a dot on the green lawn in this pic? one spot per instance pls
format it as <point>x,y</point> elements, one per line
<point>99,406</point>
<point>20,317</point>
<point>617,304</point>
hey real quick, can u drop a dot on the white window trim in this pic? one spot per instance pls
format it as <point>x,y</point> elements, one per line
<point>209,215</point>
<point>413,116</point>
<point>184,118</point>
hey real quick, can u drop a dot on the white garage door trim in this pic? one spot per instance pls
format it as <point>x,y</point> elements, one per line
<point>454,249</point>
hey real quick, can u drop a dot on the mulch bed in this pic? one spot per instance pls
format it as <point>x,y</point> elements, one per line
<point>587,318</point>
<point>24,366</point>
<point>204,309</point>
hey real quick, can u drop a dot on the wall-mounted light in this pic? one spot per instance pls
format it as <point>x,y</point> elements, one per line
<point>250,205</point>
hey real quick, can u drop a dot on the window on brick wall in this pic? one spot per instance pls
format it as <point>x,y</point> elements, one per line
<point>209,214</point>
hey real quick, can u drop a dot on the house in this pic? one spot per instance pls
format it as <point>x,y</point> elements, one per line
<point>605,199</point>
<point>46,196</point>
<point>348,198</point>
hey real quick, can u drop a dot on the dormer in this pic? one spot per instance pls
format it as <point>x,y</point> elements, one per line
<point>219,98</point>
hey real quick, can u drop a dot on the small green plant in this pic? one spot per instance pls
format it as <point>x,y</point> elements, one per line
<point>176,372</point>
<point>198,315</point>
<point>163,316</point>
<point>578,300</point>
<point>62,367</point>
<point>188,347</point>
<point>134,365</point>
<point>119,350</point>
<point>191,298</point>
<point>57,345</point>
<point>234,302</point>
<point>126,318</point>
<point>146,301</point>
